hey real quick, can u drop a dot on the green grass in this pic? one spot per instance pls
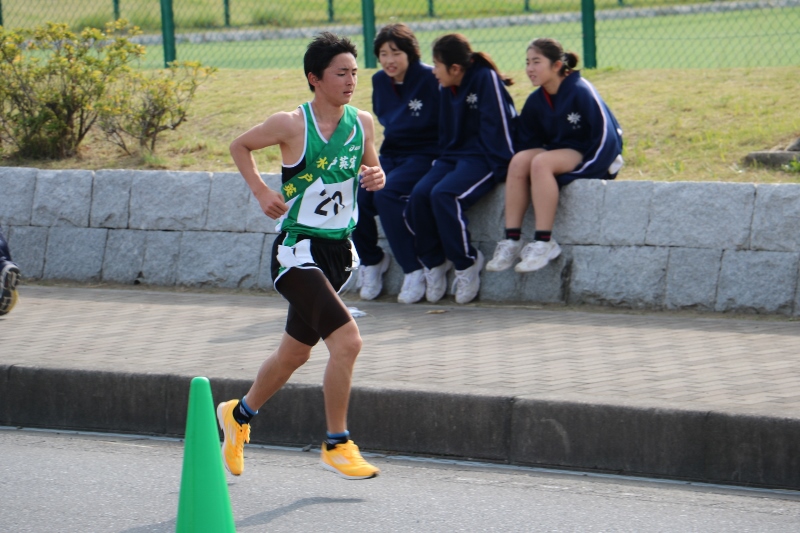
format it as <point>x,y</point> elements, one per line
<point>768,37</point>
<point>680,125</point>
<point>681,122</point>
<point>734,39</point>
<point>146,13</point>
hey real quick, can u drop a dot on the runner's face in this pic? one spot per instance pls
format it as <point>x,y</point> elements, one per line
<point>393,60</point>
<point>339,80</point>
<point>539,69</point>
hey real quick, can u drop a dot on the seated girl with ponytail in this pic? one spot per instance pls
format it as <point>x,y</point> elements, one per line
<point>476,115</point>
<point>565,132</point>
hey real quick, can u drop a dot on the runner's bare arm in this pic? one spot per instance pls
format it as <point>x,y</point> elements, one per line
<point>279,129</point>
<point>372,176</point>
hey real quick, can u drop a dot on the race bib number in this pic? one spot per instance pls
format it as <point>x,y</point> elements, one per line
<point>327,205</point>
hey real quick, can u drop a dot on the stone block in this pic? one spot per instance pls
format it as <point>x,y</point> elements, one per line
<point>174,201</point>
<point>264,272</point>
<point>626,212</point>
<point>393,279</point>
<point>542,286</point>
<point>17,189</point>
<point>760,282</point>
<point>111,197</point>
<point>217,259</point>
<point>257,221</point>
<point>28,245</point>
<point>161,255</point>
<point>701,215</point>
<point>501,286</point>
<point>62,198</point>
<point>124,255</point>
<point>692,275</point>
<point>75,253</point>
<point>228,202</point>
<point>629,276</point>
<point>381,233</point>
<point>580,211</point>
<point>487,217</point>
<point>550,284</point>
<point>776,218</point>
<point>797,299</point>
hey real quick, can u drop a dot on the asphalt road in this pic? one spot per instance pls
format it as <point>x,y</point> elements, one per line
<point>66,482</point>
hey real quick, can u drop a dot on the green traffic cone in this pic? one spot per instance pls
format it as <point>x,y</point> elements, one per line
<point>204,503</point>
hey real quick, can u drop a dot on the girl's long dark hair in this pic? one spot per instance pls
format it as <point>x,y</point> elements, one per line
<point>454,49</point>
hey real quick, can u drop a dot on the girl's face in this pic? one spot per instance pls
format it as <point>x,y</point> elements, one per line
<point>448,77</point>
<point>539,69</point>
<point>393,61</point>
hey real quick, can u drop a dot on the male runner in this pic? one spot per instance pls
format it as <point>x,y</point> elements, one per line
<point>328,152</point>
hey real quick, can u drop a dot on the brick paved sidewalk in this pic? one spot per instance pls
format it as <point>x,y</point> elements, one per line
<point>715,363</point>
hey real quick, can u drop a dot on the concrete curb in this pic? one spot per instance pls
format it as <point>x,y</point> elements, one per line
<point>680,444</point>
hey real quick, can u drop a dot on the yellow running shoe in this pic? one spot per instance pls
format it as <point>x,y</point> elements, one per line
<point>235,436</point>
<point>346,460</point>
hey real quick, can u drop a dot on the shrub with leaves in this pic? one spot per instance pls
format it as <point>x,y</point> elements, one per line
<point>143,105</point>
<point>52,80</point>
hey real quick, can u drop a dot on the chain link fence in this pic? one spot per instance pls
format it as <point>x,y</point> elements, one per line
<point>629,34</point>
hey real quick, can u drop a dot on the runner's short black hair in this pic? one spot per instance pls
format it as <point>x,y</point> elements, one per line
<point>321,51</point>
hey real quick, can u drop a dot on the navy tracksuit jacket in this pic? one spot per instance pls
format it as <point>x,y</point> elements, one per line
<point>580,120</point>
<point>409,113</point>
<point>476,130</point>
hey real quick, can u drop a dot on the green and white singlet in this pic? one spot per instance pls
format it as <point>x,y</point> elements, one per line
<point>326,207</point>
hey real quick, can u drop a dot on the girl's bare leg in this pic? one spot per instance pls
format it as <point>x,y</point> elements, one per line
<point>544,168</point>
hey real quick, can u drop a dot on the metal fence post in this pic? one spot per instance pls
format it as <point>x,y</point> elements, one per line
<point>368,18</point>
<point>168,31</point>
<point>431,11</point>
<point>1,12</point>
<point>116,9</point>
<point>589,37</point>
<point>227,4</point>
<point>527,7</point>
<point>330,10</point>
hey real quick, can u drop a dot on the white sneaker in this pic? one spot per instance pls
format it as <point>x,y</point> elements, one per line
<point>468,281</point>
<point>372,278</point>
<point>505,254</point>
<point>537,254</point>
<point>413,287</point>
<point>436,281</point>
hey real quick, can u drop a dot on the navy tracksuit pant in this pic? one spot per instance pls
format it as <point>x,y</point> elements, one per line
<point>437,210</point>
<point>402,174</point>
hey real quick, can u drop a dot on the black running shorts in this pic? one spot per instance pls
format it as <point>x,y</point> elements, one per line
<point>315,309</point>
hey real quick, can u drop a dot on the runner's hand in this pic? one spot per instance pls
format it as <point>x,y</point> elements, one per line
<point>271,203</point>
<point>372,178</point>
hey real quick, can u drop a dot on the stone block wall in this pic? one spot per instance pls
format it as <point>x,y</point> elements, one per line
<point>632,244</point>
